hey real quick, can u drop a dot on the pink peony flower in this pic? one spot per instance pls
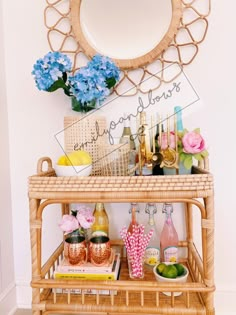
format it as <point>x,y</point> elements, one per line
<point>69,223</point>
<point>164,140</point>
<point>85,217</point>
<point>193,143</point>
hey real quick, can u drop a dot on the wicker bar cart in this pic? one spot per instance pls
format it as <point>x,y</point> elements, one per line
<point>126,296</point>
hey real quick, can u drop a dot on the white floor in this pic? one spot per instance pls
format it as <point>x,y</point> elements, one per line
<point>23,312</point>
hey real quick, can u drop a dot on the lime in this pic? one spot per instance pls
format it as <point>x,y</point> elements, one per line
<point>170,271</point>
<point>160,268</point>
<point>180,269</point>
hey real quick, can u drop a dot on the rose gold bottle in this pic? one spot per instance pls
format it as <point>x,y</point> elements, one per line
<point>169,237</point>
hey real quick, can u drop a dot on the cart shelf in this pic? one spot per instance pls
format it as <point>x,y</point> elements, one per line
<point>126,296</point>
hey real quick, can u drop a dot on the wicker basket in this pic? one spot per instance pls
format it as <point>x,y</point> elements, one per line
<point>83,132</point>
<point>87,133</point>
<point>114,159</point>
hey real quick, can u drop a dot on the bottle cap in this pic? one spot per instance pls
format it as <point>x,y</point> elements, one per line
<point>151,208</point>
<point>167,208</point>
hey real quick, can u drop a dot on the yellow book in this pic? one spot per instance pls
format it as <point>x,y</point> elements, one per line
<point>113,275</point>
<point>85,276</point>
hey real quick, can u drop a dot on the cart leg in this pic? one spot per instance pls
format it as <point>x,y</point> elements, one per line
<point>35,237</point>
<point>35,301</point>
<point>208,225</point>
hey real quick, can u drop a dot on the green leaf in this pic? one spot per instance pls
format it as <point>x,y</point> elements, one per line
<point>110,82</point>
<point>204,153</point>
<point>188,162</point>
<point>197,130</point>
<point>57,85</point>
<point>67,91</point>
<point>182,156</point>
<point>198,156</point>
<point>180,135</point>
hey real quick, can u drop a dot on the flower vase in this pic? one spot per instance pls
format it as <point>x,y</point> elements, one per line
<point>136,267</point>
<point>172,171</point>
<point>77,106</point>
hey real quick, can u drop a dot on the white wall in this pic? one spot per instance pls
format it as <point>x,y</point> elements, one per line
<point>7,277</point>
<point>34,118</point>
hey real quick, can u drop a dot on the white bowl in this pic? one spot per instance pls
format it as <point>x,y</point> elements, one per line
<point>79,170</point>
<point>180,279</point>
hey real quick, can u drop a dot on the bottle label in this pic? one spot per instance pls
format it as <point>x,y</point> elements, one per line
<point>99,233</point>
<point>152,256</point>
<point>171,254</point>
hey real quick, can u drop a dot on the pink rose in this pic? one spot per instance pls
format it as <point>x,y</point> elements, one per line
<point>193,143</point>
<point>69,223</point>
<point>85,217</point>
<point>164,140</point>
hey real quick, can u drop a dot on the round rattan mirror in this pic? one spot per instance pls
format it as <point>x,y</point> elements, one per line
<point>120,30</point>
<point>177,43</point>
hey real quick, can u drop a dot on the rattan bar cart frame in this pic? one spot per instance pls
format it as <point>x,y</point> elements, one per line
<point>50,296</point>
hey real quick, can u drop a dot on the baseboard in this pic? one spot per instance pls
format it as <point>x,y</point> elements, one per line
<point>8,303</point>
<point>225,301</point>
<point>24,294</point>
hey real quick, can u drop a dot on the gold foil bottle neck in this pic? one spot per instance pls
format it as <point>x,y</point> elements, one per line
<point>99,206</point>
<point>143,118</point>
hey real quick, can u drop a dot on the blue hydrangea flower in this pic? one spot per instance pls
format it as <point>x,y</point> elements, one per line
<point>50,68</point>
<point>105,66</point>
<point>88,85</point>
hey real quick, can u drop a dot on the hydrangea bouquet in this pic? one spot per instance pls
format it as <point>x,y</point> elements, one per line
<point>78,221</point>
<point>190,145</point>
<point>88,87</point>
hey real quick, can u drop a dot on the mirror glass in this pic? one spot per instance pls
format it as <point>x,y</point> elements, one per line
<point>125,29</point>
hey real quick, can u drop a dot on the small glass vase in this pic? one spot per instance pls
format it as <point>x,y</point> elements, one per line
<point>136,267</point>
<point>77,106</point>
<point>172,171</point>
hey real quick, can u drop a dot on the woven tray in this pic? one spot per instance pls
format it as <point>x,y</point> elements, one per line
<point>199,184</point>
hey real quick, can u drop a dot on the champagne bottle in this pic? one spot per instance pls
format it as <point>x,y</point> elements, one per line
<point>157,157</point>
<point>146,137</point>
<point>134,210</point>
<point>152,252</point>
<point>178,113</point>
<point>126,134</point>
<point>100,226</point>
<point>145,154</point>
<point>169,237</point>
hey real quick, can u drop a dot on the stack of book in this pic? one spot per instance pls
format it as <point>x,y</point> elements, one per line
<point>88,271</point>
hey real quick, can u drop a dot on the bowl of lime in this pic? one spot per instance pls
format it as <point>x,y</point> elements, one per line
<point>171,273</point>
<point>76,163</point>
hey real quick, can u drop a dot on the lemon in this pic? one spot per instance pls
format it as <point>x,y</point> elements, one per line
<point>160,268</point>
<point>152,261</point>
<point>63,160</point>
<point>79,157</point>
<point>170,271</point>
<point>173,259</point>
<point>180,269</point>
